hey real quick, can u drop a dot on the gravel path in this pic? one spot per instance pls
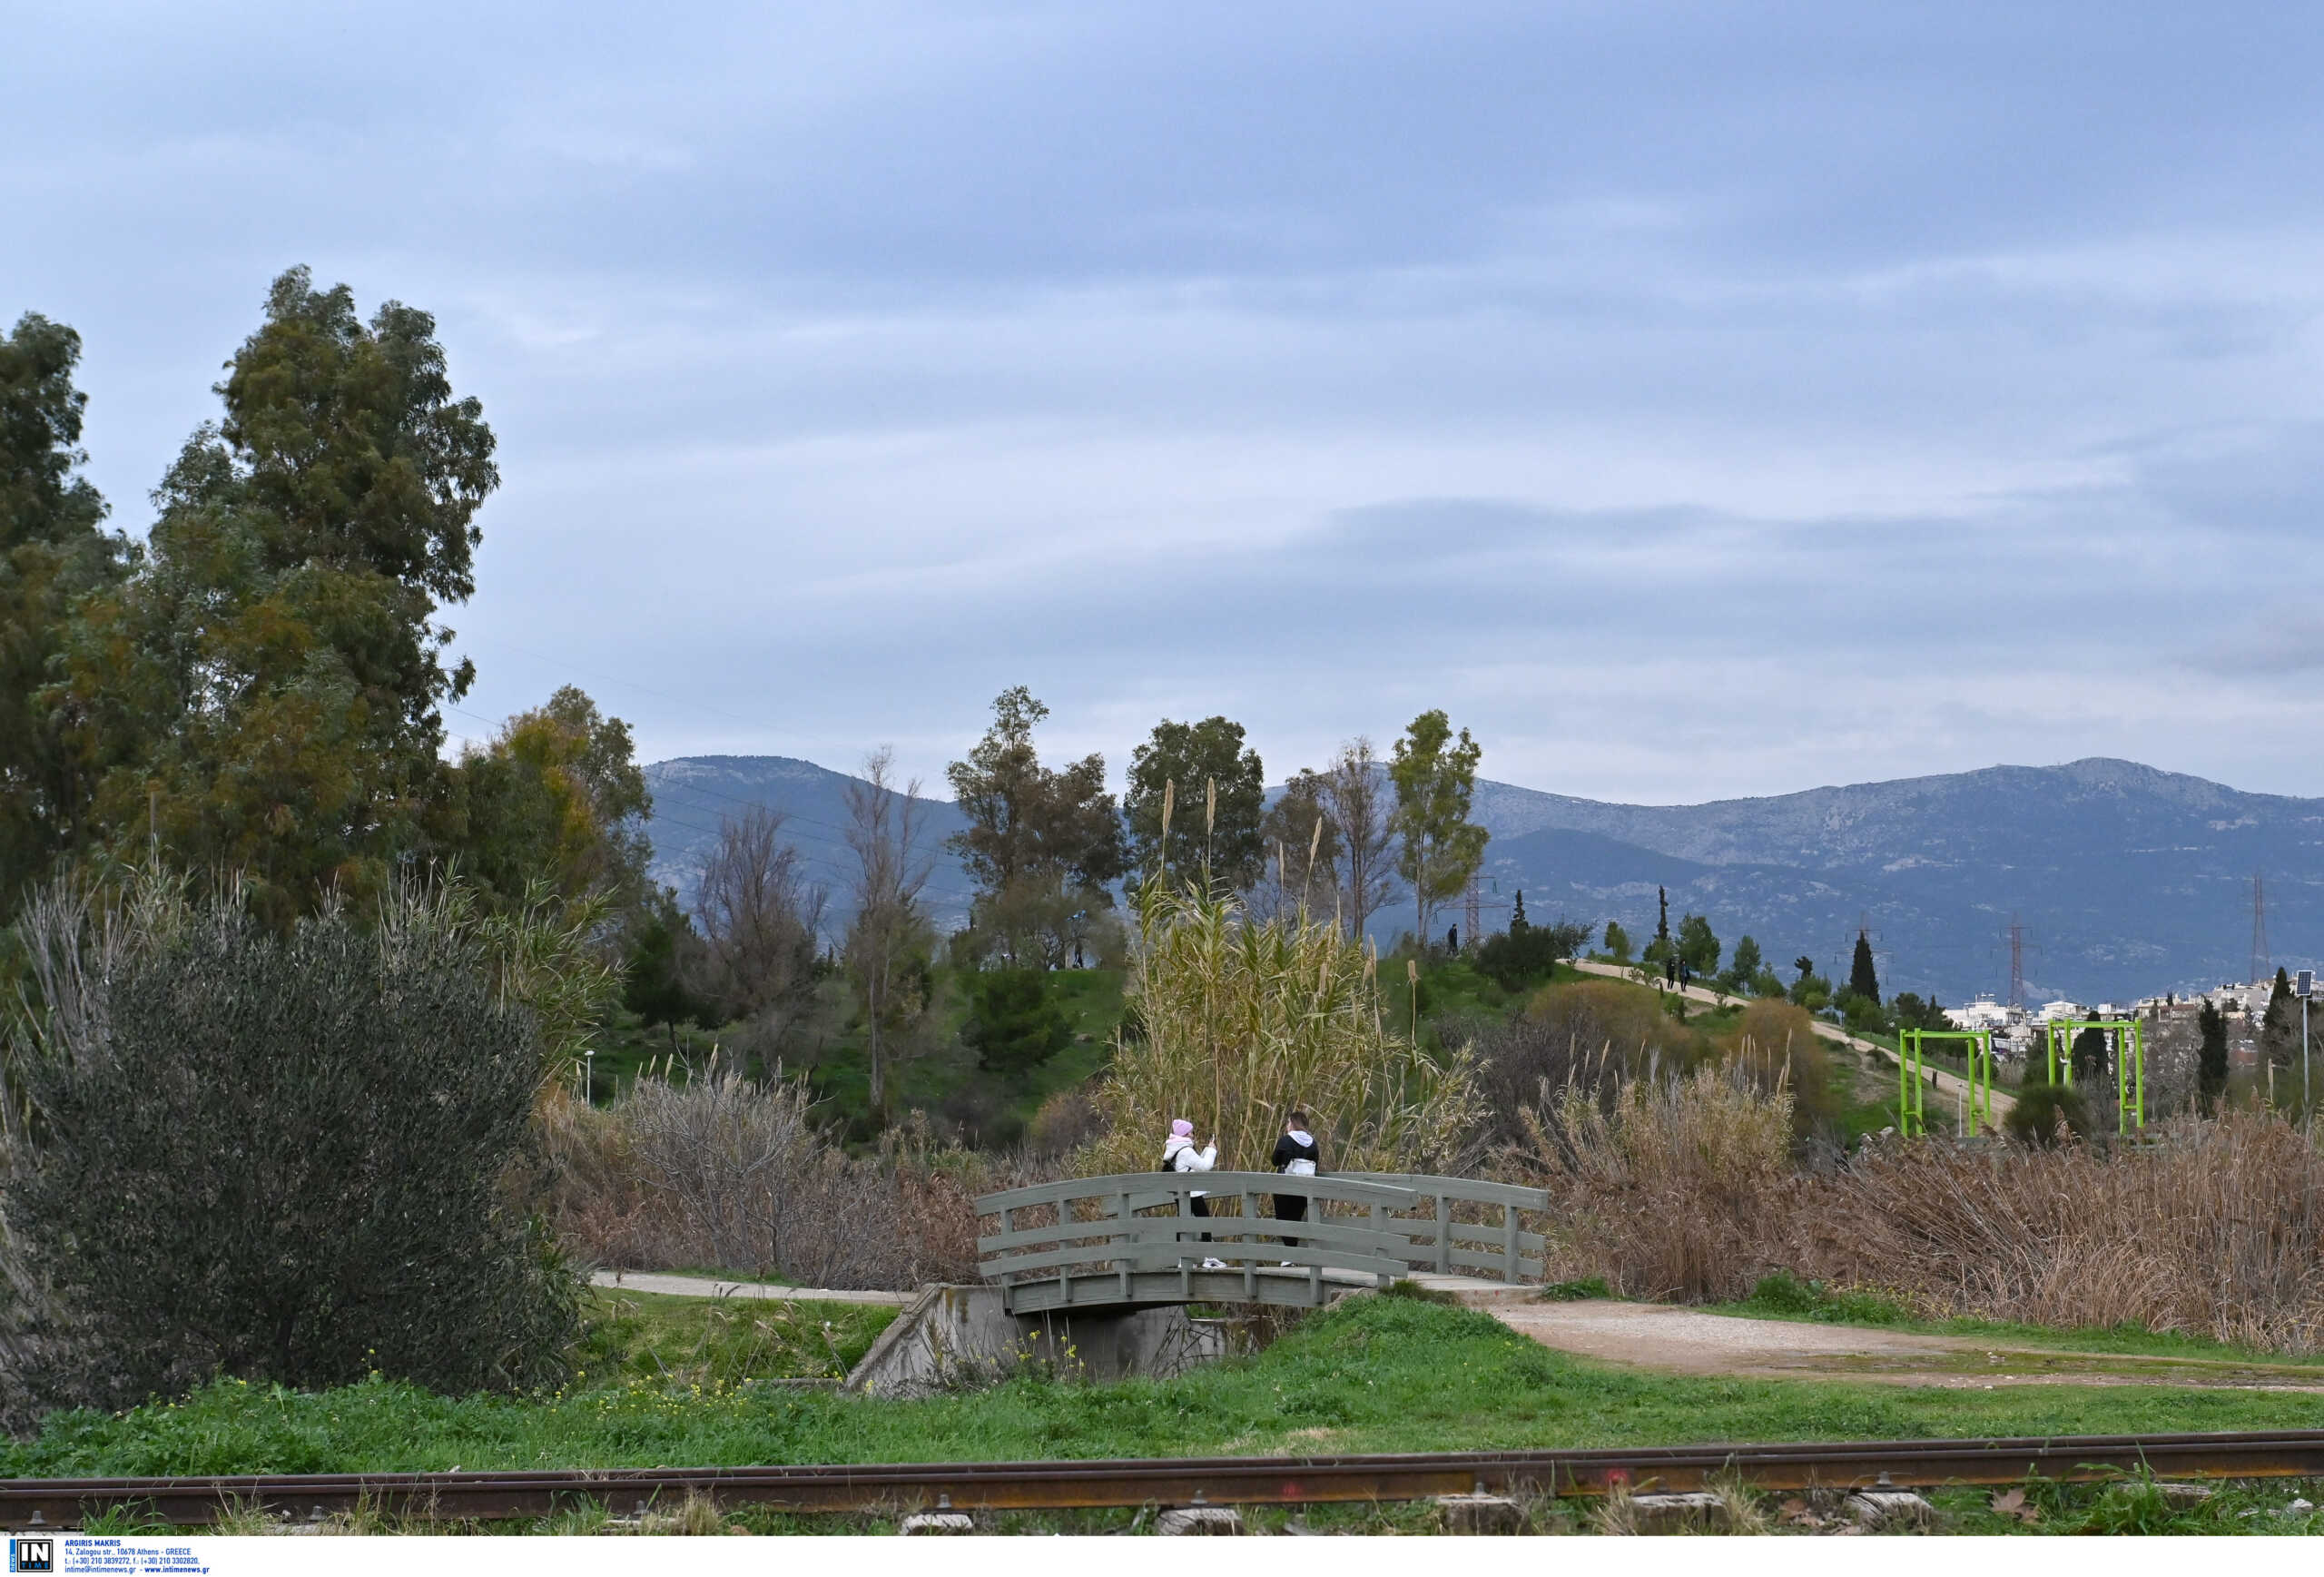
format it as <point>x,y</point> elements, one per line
<point>1689,1341</point>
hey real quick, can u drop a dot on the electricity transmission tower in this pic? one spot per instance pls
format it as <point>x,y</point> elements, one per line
<point>2261,963</point>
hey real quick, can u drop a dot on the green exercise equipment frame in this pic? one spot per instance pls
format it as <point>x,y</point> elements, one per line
<point>1912,1078</point>
<point>2130,1071</point>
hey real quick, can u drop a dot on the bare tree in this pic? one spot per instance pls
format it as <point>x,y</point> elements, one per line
<point>888,940</point>
<point>1302,849</point>
<point>1355,798</point>
<point>760,917</point>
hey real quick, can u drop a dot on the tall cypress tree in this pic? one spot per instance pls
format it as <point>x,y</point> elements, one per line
<point>2210,1061</point>
<point>2279,1024</point>
<point>1862,981</point>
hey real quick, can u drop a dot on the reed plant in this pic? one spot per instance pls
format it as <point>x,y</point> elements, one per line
<point>1245,1021</point>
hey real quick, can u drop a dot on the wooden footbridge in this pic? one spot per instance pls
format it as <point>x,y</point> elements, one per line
<point>1134,1240</point>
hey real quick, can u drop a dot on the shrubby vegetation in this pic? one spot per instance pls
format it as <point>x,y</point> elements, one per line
<point>727,1172</point>
<point>296,1158</point>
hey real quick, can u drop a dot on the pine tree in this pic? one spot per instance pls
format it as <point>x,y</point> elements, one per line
<point>1662,924</point>
<point>1517,923</point>
<point>1862,981</point>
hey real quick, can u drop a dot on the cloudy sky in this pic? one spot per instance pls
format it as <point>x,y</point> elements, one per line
<point>1695,401</point>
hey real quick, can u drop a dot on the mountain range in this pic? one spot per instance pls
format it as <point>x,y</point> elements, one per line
<point>2126,879</point>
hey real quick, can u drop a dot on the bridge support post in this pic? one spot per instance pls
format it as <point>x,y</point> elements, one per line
<point>1250,1246</point>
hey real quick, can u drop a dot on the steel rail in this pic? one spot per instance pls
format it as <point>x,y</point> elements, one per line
<point>1217,1481</point>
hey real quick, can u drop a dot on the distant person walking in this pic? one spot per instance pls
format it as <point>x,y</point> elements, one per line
<point>1296,1155</point>
<point>1179,1155</point>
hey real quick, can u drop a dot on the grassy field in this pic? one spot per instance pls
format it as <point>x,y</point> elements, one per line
<point>1376,1374</point>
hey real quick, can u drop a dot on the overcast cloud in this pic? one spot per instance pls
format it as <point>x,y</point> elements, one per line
<point>1694,401</point>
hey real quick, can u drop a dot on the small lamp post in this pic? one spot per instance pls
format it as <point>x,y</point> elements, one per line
<point>589,1075</point>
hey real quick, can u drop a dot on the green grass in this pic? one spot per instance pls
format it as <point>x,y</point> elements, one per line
<point>1376,1374</point>
<point>718,1343</point>
<point>1781,1297</point>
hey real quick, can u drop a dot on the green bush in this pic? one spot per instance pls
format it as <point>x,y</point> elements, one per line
<point>1587,1286</point>
<point>1783,1292</point>
<point>2041,1107</point>
<point>1862,1015</point>
<point>1527,954</point>
<point>291,1158</point>
<point>1013,1025</point>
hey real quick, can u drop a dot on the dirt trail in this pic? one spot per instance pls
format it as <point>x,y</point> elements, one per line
<point>1682,1341</point>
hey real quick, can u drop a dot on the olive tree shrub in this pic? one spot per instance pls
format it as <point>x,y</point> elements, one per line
<point>281,1156</point>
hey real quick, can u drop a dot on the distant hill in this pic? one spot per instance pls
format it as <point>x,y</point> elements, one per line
<point>2128,880</point>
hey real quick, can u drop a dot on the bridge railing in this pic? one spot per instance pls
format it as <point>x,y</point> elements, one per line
<point>1469,1225</point>
<point>1139,1229</point>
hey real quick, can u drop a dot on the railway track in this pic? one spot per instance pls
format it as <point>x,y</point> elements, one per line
<point>1228,1481</point>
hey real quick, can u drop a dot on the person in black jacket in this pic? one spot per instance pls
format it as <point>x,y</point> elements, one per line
<point>1296,1155</point>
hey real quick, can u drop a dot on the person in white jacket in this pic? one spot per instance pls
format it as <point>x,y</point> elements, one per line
<point>1179,1155</point>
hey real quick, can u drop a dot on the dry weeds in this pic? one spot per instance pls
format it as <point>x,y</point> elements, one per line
<point>726,1172</point>
<point>1679,1188</point>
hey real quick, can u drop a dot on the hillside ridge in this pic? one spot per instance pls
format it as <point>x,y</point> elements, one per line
<point>2129,878</point>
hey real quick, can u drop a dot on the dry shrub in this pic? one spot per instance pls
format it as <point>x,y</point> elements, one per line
<point>730,1173</point>
<point>1665,1188</point>
<point>1591,1034</point>
<point>2217,1230</point>
<point>1678,1187</point>
<point>1246,1021</point>
<point>1776,1045</point>
<point>1066,1121</point>
<point>1591,1013</point>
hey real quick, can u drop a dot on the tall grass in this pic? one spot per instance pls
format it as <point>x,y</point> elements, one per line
<point>1245,1021</point>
